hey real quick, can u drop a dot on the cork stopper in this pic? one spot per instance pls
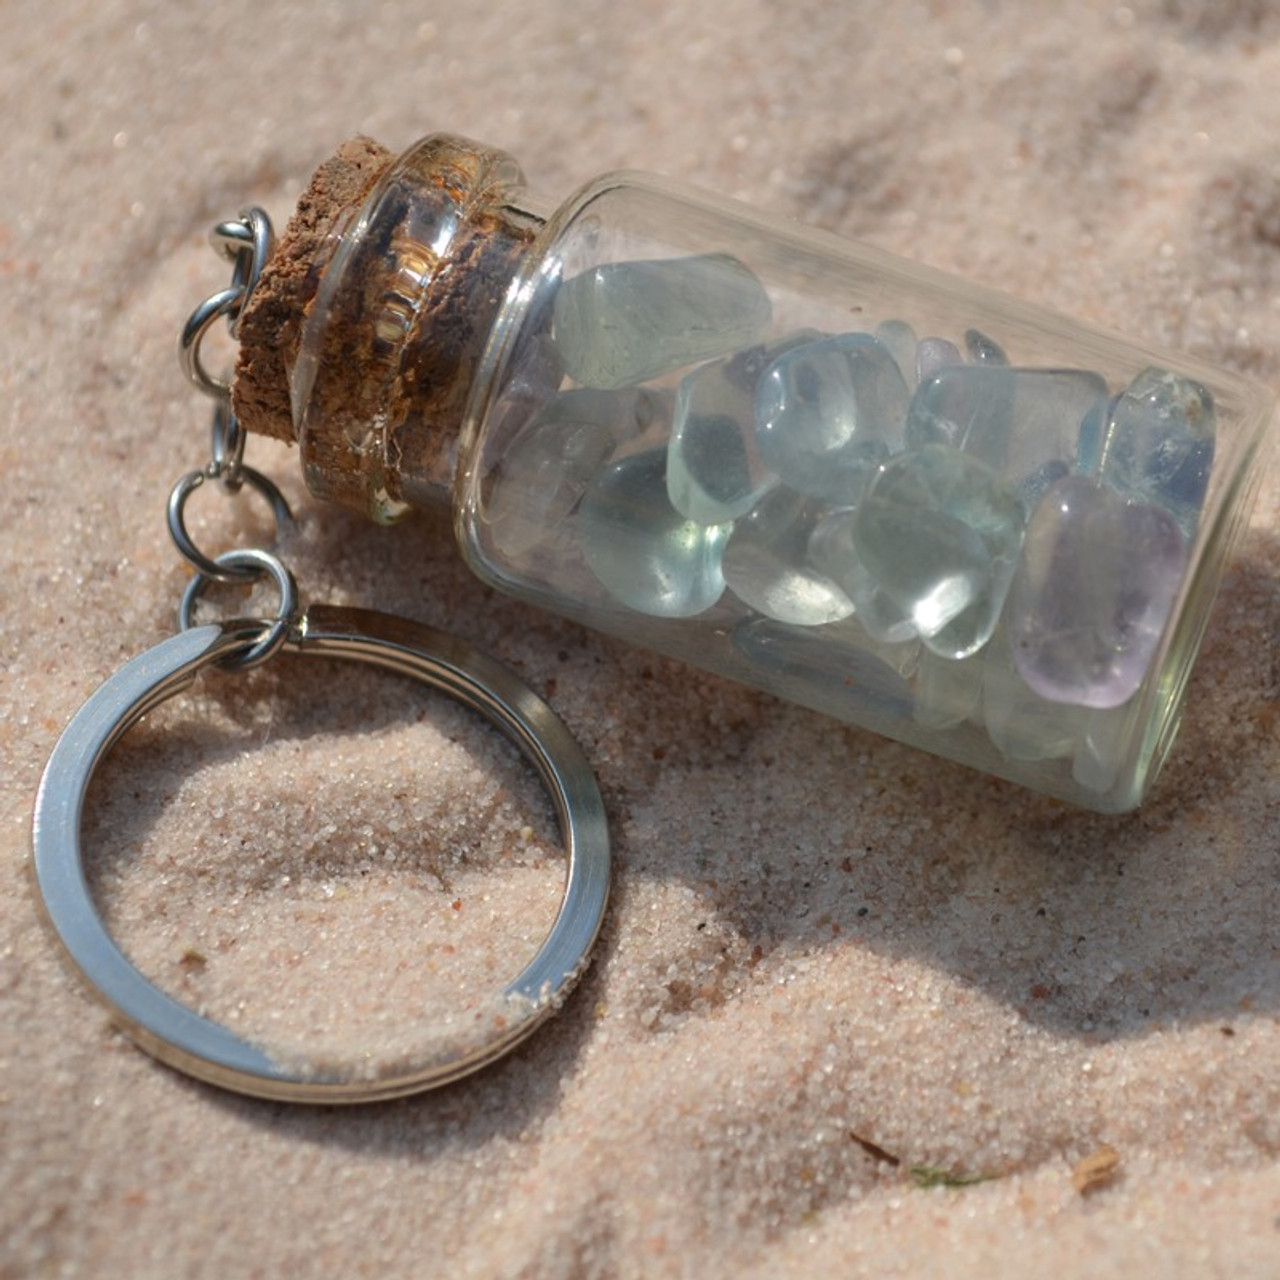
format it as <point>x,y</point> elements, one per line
<point>271,326</point>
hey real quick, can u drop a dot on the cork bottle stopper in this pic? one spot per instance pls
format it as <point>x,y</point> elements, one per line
<point>271,325</point>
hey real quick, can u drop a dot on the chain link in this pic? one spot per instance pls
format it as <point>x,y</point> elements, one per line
<point>246,243</point>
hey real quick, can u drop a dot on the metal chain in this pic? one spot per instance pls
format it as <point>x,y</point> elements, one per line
<point>247,243</point>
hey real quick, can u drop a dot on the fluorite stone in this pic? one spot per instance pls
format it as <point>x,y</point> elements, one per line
<point>644,552</point>
<point>836,669</point>
<point>900,340</point>
<point>1158,444</point>
<point>766,563</point>
<point>1103,749</point>
<point>1097,580</point>
<point>939,533</point>
<point>544,472</point>
<point>626,322</point>
<point>948,692</point>
<point>831,551</point>
<point>714,469</point>
<point>1016,421</point>
<point>1022,724</point>
<point>982,349</point>
<point>934,354</point>
<point>829,412</point>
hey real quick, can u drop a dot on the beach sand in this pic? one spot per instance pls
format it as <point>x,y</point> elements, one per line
<point>855,1010</point>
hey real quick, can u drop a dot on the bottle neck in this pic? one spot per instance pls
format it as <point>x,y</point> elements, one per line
<point>407,270</point>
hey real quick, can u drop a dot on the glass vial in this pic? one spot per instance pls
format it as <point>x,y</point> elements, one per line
<point>892,496</point>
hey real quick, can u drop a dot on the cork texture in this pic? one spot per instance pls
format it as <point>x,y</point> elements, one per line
<point>270,327</point>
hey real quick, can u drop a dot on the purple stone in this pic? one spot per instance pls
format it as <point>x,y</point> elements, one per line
<point>1092,593</point>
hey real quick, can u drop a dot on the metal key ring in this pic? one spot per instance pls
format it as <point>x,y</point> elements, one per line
<point>182,1038</point>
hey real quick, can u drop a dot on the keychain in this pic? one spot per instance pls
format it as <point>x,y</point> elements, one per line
<point>168,1029</point>
<point>891,496</point>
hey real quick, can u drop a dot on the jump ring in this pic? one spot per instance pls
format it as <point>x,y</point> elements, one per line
<point>205,565</point>
<point>224,304</point>
<point>182,1038</point>
<point>256,564</point>
<point>226,447</point>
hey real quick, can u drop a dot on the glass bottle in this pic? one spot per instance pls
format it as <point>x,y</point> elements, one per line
<point>857,483</point>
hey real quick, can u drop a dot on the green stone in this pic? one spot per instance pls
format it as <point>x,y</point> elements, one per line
<point>643,551</point>
<point>714,469</point>
<point>626,322</point>
<point>767,564</point>
<point>939,533</point>
<point>829,412</point>
<point>1022,423</point>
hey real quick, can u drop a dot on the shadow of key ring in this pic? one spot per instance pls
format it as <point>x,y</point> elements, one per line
<point>184,1039</point>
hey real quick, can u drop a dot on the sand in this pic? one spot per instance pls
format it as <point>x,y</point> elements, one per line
<point>855,1011</point>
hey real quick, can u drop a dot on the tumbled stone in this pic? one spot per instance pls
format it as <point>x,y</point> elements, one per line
<point>644,552</point>
<point>1017,421</point>
<point>829,412</point>
<point>767,566</point>
<point>1021,723</point>
<point>714,468</point>
<point>948,691</point>
<point>625,322</point>
<point>831,551</point>
<point>934,354</point>
<point>939,533</point>
<point>1159,442</point>
<point>544,472</point>
<point>837,669</point>
<point>1093,591</point>
<point>900,340</point>
<point>1104,749</point>
<point>984,350</point>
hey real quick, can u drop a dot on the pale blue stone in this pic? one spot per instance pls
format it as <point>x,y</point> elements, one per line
<point>1094,589</point>
<point>644,552</point>
<point>1104,750</point>
<point>626,322</point>
<point>767,566</point>
<point>1020,723</point>
<point>948,691</point>
<point>934,354</point>
<point>544,472</point>
<point>1159,444</point>
<point>1019,422</point>
<point>837,669</point>
<point>831,551</point>
<point>900,340</point>
<point>984,350</point>
<point>714,469</point>
<point>829,412</point>
<point>939,533</point>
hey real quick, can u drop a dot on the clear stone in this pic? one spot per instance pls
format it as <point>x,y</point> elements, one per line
<point>544,472</point>
<point>714,469</point>
<point>1022,724</point>
<point>829,412</point>
<point>948,692</point>
<point>831,551</point>
<point>642,549</point>
<point>1093,591</point>
<point>934,354</point>
<point>837,669</point>
<point>1104,748</point>
<point>900,340</point>
<point>766,563</point>
<point>984,350</point>
<point>626,322</point>
<point>939,532</point>
<point>1159,444</point>
<point>1016,421</point>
